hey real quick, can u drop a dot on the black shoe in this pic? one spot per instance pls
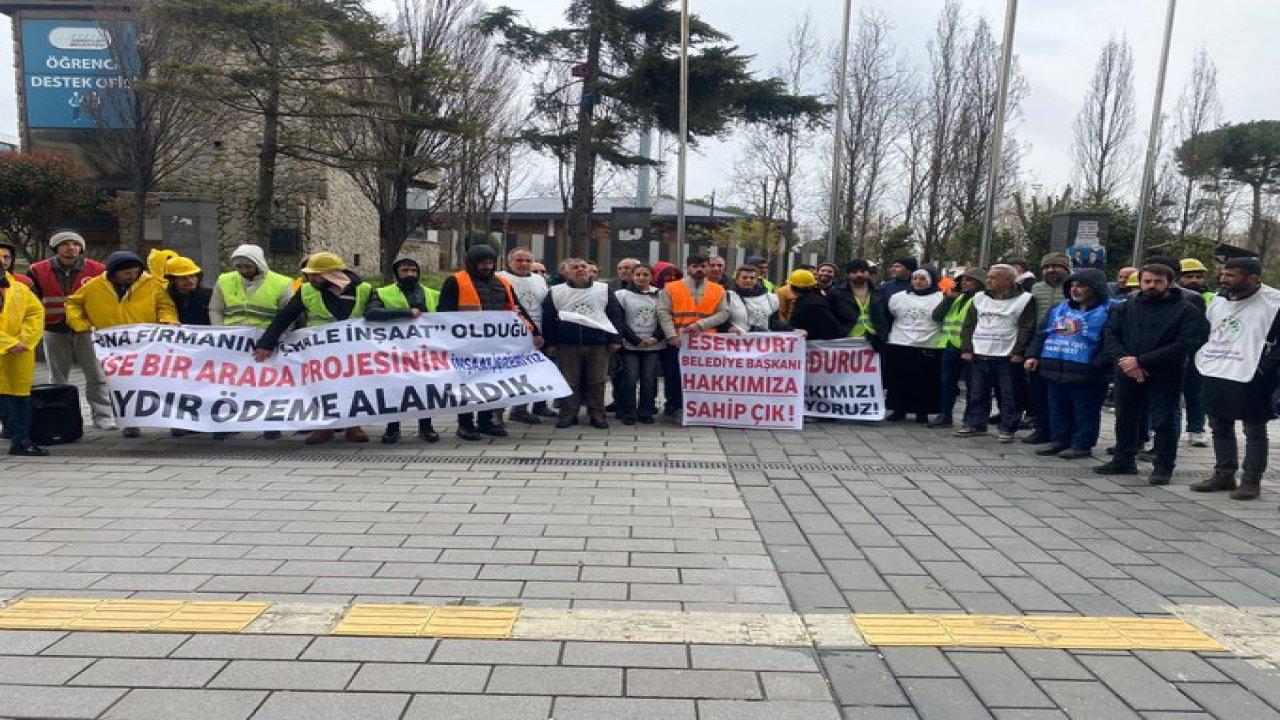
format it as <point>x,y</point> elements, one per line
<point>922,419</point>
<point>1218,482</point>
<point>995,419</point>
<point>4,434</point>
<point>390,438</point>
<point>1159,478</point>
<point>272,435</point>
<point>1147,456</point>
<point>628,420</point>
<point>566,422</point>
<point>1026,424</point>
<point>177,433</point>
<point>611,407</point>
<point>131,432</point>
<point>28,450</point>
<point>541,410</point>
<point>428,433</point>
<point>1112,468</point>
<point>224,435</point>
<point>1074,454</point>
<point>469,433</point>
<point>1053,449</point>
<point>1038,438</point>
<point>494,430</point>
<point>526,417</point>
<point>645,419</point>
<point>896,416</point>
<point>942,421</point>
<point>600,423</point>
<point>1246,491</point>
<point>670,411</point>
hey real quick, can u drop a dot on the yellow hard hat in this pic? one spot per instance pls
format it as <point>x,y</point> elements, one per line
<point>801,279</point>
<point>1190,265</point>
<point>181,267</point>
<point>323,262</point>
<point>1132,281</point>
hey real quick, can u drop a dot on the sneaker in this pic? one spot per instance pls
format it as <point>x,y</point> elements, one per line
<point>1037,438</point>
<point>566,422</point>
<point>428,433</point>
<point>494,430</point>
<point>600,423</point>
<point>966,431</point>
<point>390,438</point>
<point>1005,437</point>
<point>468,433</point>
<point>1217,482</point>
<point>32,450</point>
<point>1053,449</point>
<point>1246,491</point>
<point>1159,478</point>
<point>105,424</point>
<point>1074,454</point>
<point>526,417</point>
<point>1197,440</point>
<point>1111,468</point>
<point>541,410</point>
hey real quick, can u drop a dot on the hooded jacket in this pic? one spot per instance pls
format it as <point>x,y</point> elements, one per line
<point>1161,332</point>
<point>102,304</point>
<point>813,313</point>
<point>192,307</point>
<point>1070,341</point>
<point>489,288</point>
<point>664,272</point>
<point>418,296</point>
<point>254,254</point>
<point>21,321</point>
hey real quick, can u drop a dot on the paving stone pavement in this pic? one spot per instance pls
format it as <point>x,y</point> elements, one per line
<point>842,517</point>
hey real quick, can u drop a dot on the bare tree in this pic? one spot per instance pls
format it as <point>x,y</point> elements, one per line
<point>1104,126</point>
<point>1198,110</point>
<point>943,98</point>
<point>149,132</point>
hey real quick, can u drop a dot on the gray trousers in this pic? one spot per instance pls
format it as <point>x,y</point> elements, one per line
<point>67,350</point>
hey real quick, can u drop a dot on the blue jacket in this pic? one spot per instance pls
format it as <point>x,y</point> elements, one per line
<point>1069,344</point>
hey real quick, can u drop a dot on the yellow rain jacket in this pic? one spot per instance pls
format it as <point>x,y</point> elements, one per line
<point>96,305</point>
<point>21,321</point>
<point>156,261</point>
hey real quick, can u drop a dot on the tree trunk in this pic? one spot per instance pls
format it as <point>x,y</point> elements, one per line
<point>264,201</point>
<point>1257,224</point>
<point>581,204</point>
<point>139,217</point>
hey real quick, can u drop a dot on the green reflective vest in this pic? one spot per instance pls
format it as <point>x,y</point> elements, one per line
<point>864,326</point>
<point>393,299</point>
<point>318,314</point>
<point>1209,295</point>
<point>256,311</point>
<point>954,321</point>
<point>768,286</point>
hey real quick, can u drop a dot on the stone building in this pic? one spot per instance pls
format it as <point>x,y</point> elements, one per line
<point>205,209</point>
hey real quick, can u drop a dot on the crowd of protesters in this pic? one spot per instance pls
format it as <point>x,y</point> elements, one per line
<point>1048,348</point>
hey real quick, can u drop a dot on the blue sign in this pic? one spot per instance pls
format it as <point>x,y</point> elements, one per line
<point>71,72</point>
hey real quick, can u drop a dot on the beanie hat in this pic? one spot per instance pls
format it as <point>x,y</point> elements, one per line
<point>976,273</point>
<point>1056,259</point>
<point>405,261</point>
<point>123,260</point>
<point>857,264</point>
<point>66,236</point>
<point>909,263</point>
<point>754,260</point>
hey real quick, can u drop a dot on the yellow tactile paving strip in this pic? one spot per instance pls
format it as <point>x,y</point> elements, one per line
<point>456,621</point>
<point>998,631</point>
<point>470,621</point>
<point>130,615</point>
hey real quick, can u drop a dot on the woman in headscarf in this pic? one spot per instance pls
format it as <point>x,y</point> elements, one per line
<point>664,272</point>
<point>913,358</point>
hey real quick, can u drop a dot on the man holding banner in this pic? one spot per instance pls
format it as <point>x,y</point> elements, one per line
<point>405,299</point>
<point>580,320</point>
<point>689,305</point>
<point>332,293</point>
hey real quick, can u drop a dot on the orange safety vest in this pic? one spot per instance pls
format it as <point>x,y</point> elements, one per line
<point>469,299</point>
<point>685,311</point>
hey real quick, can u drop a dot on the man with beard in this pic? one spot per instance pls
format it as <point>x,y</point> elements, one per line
<point>478,287</point>
<point>1192,277</point>
<point>580,326</point>
<point>331,293</point>
<point>405,299</point>
<point>688,305</point>
<point>1048,293</point>
<point>856,301</point>
<point>1241,368</point>
<point>826,275</point>
<point>951,312</point>
<point>530,290</point>
<point>123,295</point>
<point>1149,339</point>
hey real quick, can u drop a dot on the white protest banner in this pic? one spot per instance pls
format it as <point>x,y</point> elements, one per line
<point>332,376</point>
<point>843,380</point>
<point>745,381</point>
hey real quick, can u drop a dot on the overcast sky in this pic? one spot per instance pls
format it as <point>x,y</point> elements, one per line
<point>1056,44</point>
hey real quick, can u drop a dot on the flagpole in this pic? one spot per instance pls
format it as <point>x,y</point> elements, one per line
<point>683,155</point>
<point>1153,140</point>
<point>837,160</point>
<point>997,138</point>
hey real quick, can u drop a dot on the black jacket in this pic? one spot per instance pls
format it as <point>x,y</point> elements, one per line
<point>193,307</point>
<point>377,311</point>
<point>1066,372</point>
<point>849,312</point>
<point>492,293</point>
<point>814,314</point>
<point>1161,332</point>
<point>558,332</point>
<point>340,306</point>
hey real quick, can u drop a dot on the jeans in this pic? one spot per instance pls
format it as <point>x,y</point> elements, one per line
<point>486,418</point>
<point>1193,398</point>
<point>1225,449</point>
<point>67,350</point>
<point>953,370</point>
<point>672,393</point>
<point>424,426</point>
<point>585,366</point>
<point>1075,413</point>
<point>1160,398</point>
<point>1038,401</point>
<point>987,374</point>
<point>638,371</point>
<point>16,412</point>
